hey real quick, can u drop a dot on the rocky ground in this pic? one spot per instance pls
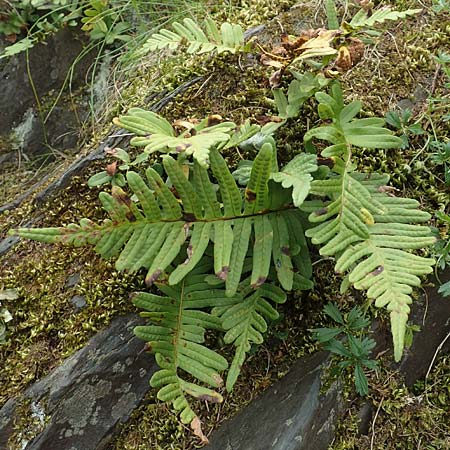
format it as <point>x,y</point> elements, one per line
<point>66,296</point>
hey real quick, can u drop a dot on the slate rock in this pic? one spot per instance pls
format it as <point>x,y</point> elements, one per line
<point>80,403</point>
<point>49,64</point>
<point>431,312</point>
<point>78,302</point>
<point>291,415</point>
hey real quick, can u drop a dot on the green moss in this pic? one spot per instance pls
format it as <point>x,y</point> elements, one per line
<point>406,419</point>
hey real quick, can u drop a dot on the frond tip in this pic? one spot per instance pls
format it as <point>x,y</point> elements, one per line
<point>176,335</point>
<point>229,38</point>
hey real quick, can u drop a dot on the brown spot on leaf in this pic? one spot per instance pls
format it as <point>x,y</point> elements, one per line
<point>259,282</point>
<point>130,216</point>
<point>121,196</point>
<point>321,211</point>
<point>180,148</point>
<point>149,280</point>
<point>285,250</point>
<point>250,195</point>
<point>377,271</point>
<point>223,273</point>
<point>209,398</point>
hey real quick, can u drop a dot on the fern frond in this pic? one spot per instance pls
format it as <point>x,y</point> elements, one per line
<point>157,135</point>
<point>244,320</point>
<point>297,174</point>
<point>176,336</point>
<point>362,19</point>
<point>166,222</point>
<point>332,18</point>
<point>229,38</point>
<point>370,232</point>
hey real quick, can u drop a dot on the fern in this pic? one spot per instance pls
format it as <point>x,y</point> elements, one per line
<point>156,134</point>
<point>177,335</point>
<point>244,317</point>
<point>229,38</point>
<point>332,18</point>
<point>369,232</point>
<point>151,232</point>
<point>362,20</point>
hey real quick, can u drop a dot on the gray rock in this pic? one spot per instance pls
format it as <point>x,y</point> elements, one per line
<point>78,301</point>
<point>49,64</point>
<point>79,404</point>
<point>290,415</point>
<point>72,280</point>
<point>431,312</point>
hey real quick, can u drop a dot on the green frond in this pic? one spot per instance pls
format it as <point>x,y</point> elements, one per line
<point>155,134</point>
<point>162,224</point>
<point>332,18</point>
<point>362,20</point>
<point>369,232</point>
<point>296,174</point>
<point>257,191</point>
<point>176,334</point>
<point>244,320</point>
<point>229,38</point>
<point>345,130</point>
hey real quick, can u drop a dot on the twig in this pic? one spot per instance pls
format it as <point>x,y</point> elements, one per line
<point>372,439</point>
<point>436,353</point>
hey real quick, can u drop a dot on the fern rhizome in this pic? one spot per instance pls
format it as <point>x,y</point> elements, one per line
<point>222,255</point>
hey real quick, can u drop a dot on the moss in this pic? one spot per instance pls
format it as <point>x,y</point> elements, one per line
<point>29,420</point>
<point>406,419</point>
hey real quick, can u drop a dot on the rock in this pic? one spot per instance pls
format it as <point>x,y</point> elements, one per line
<point>49,63</point>
<point>79,404</point>
<point>72,280</point>
<point>431,312</point>
<point>365,415</point>
<point>78,301</point>
<point>290,415</point>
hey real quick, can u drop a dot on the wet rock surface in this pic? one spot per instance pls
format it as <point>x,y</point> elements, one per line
<point>79,404</point>
<point>291,415</point>
<point>48,63</point>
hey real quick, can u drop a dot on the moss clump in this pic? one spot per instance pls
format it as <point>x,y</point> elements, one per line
<point>29,420</point>
<point>46,326</point>
<point>405,419</point>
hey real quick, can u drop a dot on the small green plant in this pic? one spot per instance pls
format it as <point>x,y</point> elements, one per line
<point>441,157</point>
<point>347,342</point>
<point>401,121</point>
<point>440,6</point>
